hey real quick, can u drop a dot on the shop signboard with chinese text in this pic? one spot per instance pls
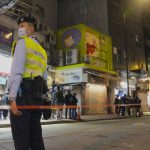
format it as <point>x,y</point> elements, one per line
<point>70,76</point>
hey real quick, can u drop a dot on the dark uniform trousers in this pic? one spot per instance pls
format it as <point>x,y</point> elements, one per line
<point>26,129</point>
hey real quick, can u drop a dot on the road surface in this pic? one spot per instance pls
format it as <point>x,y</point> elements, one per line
<point>122,134</point>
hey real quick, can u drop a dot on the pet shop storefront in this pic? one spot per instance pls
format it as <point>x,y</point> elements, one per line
<point>91,52</point>
<point>91,89</point>
<point>72,79</point>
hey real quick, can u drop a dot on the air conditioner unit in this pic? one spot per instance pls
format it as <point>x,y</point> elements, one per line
<point>60,58</point>
<point>87,59</point>
<point>40,37</point>
<point>72,56</point>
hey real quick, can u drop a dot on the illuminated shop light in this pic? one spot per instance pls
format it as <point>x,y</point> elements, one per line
<point>94,85</point>
<point>8,36</point>
<point>124,85</point>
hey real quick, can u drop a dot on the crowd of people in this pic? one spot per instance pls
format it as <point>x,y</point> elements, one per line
<point>125,105</point>
<point>128,105</point>
<point>54,98</point>
<point>59,99</point>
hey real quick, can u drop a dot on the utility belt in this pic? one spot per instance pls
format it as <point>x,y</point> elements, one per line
<point>32,89</point>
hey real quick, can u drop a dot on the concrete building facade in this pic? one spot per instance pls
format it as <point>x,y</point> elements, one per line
<point>50,12</point>
<point>92,13</point>
<point>107,16</point>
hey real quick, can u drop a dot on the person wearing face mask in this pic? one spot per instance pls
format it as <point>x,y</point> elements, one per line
<point>28,72</point>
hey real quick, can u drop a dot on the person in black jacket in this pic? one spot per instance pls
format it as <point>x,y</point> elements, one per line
<point>5,102</point>
<point>0,105</point>
<point>59,101</point>
<point>46,101</point>
<point>73,110</point>
<point>123,101</point>
<point>116,103</point>
<point>68,99</point>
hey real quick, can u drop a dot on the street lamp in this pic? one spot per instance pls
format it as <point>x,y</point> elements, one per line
<point>126,47</point>
<point>143,1</point>
<point>143,5</point>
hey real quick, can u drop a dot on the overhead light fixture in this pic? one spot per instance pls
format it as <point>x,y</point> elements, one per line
<point>6,4</point>
<point>8,36</point>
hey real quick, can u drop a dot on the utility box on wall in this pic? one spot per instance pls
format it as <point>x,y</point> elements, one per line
<point>94,48</point>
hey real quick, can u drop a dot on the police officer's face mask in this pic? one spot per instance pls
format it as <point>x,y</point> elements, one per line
<point>22,32</point>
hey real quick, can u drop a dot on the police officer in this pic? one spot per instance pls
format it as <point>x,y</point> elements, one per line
<point>28,71</point>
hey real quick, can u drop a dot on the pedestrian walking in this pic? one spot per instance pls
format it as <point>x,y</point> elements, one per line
<point>123,102</point>
<point>74,109</point>
<point>134,107</point>
<point>1,105</point>
<point>4,103</point>
<point>116,103</point>
<point>59,101</point>
<point>46,102</point>
<point>138,106</point>
<point>28,72</point>
<point>68,100</point>
<point>129,105</point>
<point>119,107</point>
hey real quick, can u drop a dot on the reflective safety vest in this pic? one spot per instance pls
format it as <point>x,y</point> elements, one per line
<point>36,58</point>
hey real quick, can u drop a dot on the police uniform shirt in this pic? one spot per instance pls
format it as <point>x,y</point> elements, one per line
<point>17,67</point>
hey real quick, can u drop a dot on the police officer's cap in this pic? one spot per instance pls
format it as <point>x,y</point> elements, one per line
<point>28,19</point>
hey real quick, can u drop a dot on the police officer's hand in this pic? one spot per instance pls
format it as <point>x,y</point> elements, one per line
<point>13,107</point>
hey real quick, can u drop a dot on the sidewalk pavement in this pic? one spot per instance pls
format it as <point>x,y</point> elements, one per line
<point>6,123</point>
